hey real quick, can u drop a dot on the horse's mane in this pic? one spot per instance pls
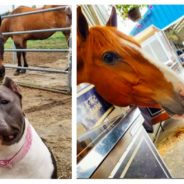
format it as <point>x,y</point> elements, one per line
<point>19,9</point>
<point>22,9</point>
<point>51,6</point>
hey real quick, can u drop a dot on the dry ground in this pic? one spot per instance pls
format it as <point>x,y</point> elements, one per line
<point>48,112</point>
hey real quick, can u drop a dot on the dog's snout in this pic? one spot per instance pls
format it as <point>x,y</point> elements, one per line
<point>4,128</point>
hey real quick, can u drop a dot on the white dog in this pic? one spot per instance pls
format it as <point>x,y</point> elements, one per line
<point>22,152</point>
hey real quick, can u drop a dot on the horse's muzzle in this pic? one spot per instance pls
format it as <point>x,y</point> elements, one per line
<point>174,106</point>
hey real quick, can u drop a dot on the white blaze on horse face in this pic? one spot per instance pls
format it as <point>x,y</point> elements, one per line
<point>169,74</point>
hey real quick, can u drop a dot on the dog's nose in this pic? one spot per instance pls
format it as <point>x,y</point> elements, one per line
<point>4,128</point>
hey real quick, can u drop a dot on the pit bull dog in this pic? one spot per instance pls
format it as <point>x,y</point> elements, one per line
<point>22,152</point>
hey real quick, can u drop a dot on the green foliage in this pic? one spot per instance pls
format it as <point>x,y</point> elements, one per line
<point>173,36</point>
<point>56,41</point>
<point>123,9</point>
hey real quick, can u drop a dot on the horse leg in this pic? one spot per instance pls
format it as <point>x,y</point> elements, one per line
<point>17,72</point>
<point>24,58</point>
<point>2,68</point>
<point>68,40</point>
<point>67,36</point>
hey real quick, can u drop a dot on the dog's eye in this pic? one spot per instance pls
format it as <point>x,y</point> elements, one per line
<point>4,102</point>
<point>110,58</point>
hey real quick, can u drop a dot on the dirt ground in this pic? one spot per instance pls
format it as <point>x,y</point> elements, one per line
<point>48,112</point>
<point>170,144</point>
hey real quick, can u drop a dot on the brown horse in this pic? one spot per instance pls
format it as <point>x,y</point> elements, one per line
<point>54,19</point>
<point>121,72</point>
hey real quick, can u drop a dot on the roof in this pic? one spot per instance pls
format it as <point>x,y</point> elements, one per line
<point>159,16</point>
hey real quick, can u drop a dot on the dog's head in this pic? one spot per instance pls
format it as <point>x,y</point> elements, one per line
<point>12,122</point>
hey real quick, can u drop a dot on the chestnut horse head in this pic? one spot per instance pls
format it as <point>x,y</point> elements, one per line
<point>120,70</point>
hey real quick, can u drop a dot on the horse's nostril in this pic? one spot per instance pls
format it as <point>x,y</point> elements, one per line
<point>181,92</point>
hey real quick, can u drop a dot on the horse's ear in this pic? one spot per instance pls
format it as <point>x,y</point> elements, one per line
<point>82,24</point>
<point>113,18</point>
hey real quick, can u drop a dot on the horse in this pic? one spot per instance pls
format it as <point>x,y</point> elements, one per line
<point>123,74</point>
<point>46,20</point>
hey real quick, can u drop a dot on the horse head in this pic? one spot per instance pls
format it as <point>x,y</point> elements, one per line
<point>120,70</point>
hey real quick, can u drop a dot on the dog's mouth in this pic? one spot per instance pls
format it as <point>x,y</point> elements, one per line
<point>10,138</point>
<point>12,133</point>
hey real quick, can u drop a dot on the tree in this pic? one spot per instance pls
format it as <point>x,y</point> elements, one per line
<point>125,9</point>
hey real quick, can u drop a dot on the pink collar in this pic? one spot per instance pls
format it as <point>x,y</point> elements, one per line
<point>21,153</point>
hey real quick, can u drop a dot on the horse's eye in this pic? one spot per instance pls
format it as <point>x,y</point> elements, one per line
<point>110,58</point>
<point>4,102</point>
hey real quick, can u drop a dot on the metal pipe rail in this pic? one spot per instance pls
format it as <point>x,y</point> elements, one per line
<point>33,86</point>
<point>50,70</point>
<point>32,12</point>
<point>37,31</point>
<point>37,50</point>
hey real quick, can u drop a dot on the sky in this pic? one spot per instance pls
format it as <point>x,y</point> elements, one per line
<point>5,8</point>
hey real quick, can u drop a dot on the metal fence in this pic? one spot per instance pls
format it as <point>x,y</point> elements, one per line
<point>40,69</point>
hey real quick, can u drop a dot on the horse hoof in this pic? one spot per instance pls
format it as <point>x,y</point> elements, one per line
<point>23,71</point>
<point>16,73</point>
<point>66,70</point>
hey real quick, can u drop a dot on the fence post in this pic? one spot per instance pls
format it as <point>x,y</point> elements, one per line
<point>70,64</point>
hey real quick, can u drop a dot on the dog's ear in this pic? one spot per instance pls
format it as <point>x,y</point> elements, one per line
<point>9,83</point>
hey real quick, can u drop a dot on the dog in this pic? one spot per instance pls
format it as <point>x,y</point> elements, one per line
<point>23,154</point>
